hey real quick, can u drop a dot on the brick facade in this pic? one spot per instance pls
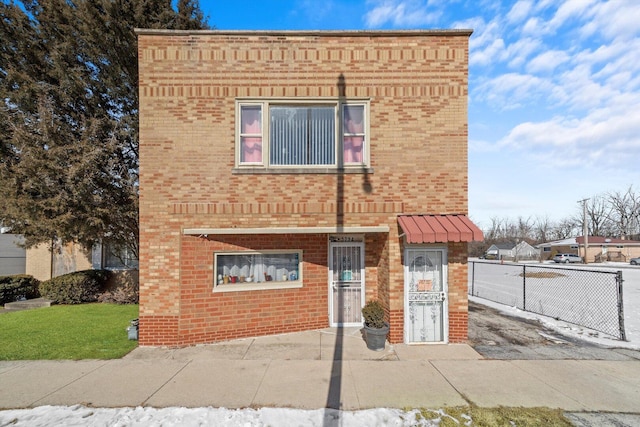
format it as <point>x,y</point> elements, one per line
<point>416,86</point>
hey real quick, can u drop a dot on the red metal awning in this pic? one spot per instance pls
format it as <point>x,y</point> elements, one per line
<point>439,228</point>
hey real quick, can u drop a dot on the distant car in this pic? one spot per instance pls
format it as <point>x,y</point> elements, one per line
<point>566,258</point>
<point>635,261</point>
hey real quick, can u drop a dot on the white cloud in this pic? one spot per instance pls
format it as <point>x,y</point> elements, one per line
<point>476,24</point>
<point>568,10</point>
<point>603,138</point>
<point>483,34</point>
<point>578,90</point>
<point>537,23</point>
<point>478,145</point>
<point>614,19</point>
<point>547,61</point>
<point>561,78</point>
<point>511,90</point>
<point>532,27</point>
<point>542,5</point>
<point>400,13</point>
<point>488,54</point>
<point>563,82</point>
<point>519,11</point>
<point>618,58</point>
<point>518,52</point>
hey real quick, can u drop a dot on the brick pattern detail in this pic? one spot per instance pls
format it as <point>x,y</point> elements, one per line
<point>158,330</point>
<point>207,316</point>
<point>417,87</point>
<point>284,208</point>
<point>458,296</point>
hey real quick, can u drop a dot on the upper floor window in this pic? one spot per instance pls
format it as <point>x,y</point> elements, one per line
<point>286,134</point>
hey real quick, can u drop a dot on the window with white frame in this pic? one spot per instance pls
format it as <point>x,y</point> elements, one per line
<point>255,270</point>
<point>302,134</point>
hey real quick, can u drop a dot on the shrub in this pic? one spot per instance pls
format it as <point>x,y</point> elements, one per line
<point>122,288</point>
<point>373,313</point>
<point>75,288</point>
<point>16,287</point>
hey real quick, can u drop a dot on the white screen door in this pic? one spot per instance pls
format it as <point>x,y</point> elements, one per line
<point>346,282</point>
<point>425,278</point>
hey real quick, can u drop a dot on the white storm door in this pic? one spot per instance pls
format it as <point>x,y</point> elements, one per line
<point>425,289</point>
<point>346,283</point>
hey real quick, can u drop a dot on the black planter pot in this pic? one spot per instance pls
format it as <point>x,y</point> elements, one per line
<point>376,337</point>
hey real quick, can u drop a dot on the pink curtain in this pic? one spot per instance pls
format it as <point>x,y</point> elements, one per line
<point>353,138</point>
<point>251,126</point>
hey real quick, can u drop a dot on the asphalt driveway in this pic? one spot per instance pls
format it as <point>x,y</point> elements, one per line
<point>496,335</point>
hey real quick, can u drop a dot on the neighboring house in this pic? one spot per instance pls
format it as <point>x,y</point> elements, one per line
<point>500,251</point>
<point>602,249</point>
<point>565,246</point>
<point>599,249</point>
<point>287,177</point>
<point>46,261</point>
<point>12,255</point>
<point>524,251</point>
<point>512,252</point>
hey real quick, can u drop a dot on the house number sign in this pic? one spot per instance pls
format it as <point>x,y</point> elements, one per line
<point>345,238</point>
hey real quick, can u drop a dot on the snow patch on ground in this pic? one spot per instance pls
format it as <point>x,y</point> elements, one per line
<point>221,417</point>
<point>631,309</point>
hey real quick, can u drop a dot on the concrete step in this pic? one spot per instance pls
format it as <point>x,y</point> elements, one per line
<point>28,304</point>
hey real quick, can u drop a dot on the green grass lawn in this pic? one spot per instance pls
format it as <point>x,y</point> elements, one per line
<point>84,331</point>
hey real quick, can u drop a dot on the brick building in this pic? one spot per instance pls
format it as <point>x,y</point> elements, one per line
<point>287,177</point>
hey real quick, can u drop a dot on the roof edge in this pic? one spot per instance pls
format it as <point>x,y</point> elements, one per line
<point>319,33</point>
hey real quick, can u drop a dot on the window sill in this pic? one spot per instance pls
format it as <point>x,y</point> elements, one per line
<point>241,287</point>
<point>297,171</point>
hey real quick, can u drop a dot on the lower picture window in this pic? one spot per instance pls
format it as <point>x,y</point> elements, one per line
<point>249,268</point>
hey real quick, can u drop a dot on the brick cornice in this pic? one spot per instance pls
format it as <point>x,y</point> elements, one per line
<point>286,208</point>
<point>315,33</point>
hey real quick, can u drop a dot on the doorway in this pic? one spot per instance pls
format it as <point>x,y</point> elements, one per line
<point>425,283</point>
<point>346,281</point>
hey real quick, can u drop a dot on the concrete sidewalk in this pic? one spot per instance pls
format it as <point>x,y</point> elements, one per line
<point>318,369</point>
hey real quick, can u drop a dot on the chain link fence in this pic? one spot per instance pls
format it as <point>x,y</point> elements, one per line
<point>589,298</point>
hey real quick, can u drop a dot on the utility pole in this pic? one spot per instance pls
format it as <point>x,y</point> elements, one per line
<point>585,228</point>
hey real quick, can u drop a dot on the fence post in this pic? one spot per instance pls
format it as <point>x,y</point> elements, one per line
<point>524,287</point>
<point>473,277</point>
<point>619,281</point>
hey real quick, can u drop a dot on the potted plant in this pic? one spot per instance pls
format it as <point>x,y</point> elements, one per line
<point>375,328</point>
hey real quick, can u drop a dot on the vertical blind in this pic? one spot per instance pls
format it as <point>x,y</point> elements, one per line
<point>302,135</point>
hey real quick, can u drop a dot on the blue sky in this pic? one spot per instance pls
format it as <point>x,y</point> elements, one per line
<point>554,89</point>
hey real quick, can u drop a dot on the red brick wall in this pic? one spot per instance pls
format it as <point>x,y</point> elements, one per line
<point>417,86</point>
<point>458,285</point>
<point>206,316</point>
<point>209,317</point>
